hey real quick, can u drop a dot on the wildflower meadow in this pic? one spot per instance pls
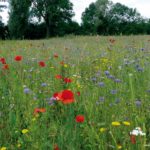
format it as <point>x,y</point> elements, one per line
<point>75,93</point>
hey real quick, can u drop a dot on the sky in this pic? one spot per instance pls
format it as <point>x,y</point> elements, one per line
<point>80,5</point>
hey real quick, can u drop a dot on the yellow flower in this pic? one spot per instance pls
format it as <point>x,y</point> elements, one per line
<point>102,129</point>
<point>24,131</point>
<point>18,145</point>
<point>65,65</point>
<point>119,146</point>
<point>126,123</point>
<point>115,123</point>
<point>78,85</point>
<point>3,148</point>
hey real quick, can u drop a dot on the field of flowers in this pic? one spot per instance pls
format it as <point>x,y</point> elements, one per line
<point>75,93</point>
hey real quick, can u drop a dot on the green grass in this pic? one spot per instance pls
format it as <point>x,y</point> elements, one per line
<point>85,61</point>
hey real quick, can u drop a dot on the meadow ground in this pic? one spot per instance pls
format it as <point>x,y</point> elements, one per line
<point>75,93</point>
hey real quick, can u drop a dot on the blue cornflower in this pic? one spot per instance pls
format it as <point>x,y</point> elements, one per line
<point>101,99</point>
<point>113,91</point>
<point>93,79</point>
<point>26,90</point>
<point>101,84</point>
<point>140,69</point>
<point>110,77</point>
<point>117,80</point>
<point>107,73</point>
<point>138,103</point>
<point>43,84</point>
<point>51,100</point>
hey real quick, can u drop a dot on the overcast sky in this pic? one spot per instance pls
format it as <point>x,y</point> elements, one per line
<point>142,6</point>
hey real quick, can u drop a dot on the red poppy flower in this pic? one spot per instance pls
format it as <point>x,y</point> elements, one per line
<point>5,67</point>
<point>80,118</point>
<point>133,139</point>
<point>3,60</point>
<point>58,76</point>
<point>78,93</point>
<point>55,95</point>
<point>67,80</point>
<point>56,147</point>
<point>42,64</point>
<point>39,110</point>
<point>65,96</point>
<point>18,58</point>
<point>56,55</point>
<point>62,63</point>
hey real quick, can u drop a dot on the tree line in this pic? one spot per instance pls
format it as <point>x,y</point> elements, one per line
<point>37,19</point>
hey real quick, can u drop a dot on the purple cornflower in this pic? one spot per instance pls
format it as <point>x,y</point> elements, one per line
<point>117,80</point>
<point>113,91</point>
<point>110,77</point>
<point>51,100</point>
<point>138,103</point>
<point>140,69</point>
<point>101,84</point>
<point>43,84</point>
<point>93,79</point>
<point>107,73</point>
<point>101,99</point>
<point>26,90</point>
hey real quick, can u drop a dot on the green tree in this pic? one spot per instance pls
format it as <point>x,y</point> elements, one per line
<point>121,13</point>
<point>94,16</point>
<point>36,31</point>
<point>105,17</point>
<point>89,19</point>
<point>148,27</point>
<point>53,13</point>
<point>18,18</point>
<point>121,18</point>
<point>102,8</point>
<point>1,30</point>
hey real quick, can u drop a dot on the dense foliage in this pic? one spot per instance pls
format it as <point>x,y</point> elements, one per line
<point>18,20</point>
<point>37,19</point>
<point>113,19</point>
<point>53,12</point>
